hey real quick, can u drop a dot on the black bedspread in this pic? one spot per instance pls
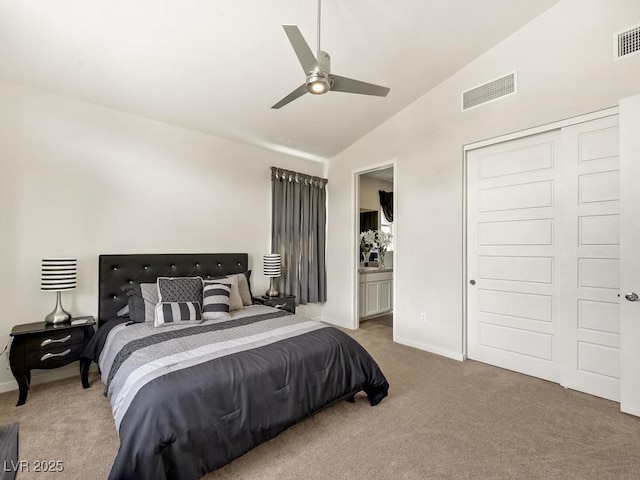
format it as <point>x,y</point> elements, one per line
<point>193,420</point>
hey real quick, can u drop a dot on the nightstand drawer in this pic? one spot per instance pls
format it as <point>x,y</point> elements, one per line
<point>54,356</point>
<point>58,341</point>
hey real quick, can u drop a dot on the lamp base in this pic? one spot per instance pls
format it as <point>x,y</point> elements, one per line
<point>59,314</point>
<point>272,292</point>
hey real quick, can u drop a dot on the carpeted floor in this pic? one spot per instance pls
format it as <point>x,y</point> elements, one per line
<point>382,321</point>
<point>442,420</point>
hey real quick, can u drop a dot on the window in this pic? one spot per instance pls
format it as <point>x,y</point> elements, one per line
<point>387,227</point>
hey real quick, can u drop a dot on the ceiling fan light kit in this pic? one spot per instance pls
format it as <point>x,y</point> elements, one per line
<point>317,69</point>
<point>318,84</point>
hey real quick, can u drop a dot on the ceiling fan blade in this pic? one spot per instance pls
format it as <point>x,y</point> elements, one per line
<point>301,47</point>
<point>349,85</point>
<point>298,92</point>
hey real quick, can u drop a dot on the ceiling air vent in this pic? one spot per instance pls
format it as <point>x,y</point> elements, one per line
<point>488,92</point>
<point>626,43</point>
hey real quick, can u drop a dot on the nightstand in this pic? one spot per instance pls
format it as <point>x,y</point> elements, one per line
<point>283,301</point>
<point>42,345</point>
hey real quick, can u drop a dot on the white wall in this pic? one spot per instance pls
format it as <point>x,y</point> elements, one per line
<point>565,68</point>
<point>369,196</point>
<point>77,179</point>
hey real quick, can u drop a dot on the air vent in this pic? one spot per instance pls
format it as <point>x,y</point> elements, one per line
<point>488,92</point>
<point>626,43</point>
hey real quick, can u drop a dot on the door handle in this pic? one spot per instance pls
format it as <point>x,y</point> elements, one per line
<point>472,282</point>
<point>631,296</point>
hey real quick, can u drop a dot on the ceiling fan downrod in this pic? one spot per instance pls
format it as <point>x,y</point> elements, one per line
<point>318,50</point>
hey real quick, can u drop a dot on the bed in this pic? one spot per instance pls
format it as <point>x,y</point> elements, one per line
<point>188,399</point>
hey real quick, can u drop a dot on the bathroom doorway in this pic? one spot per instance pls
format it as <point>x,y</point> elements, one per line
<point>376,247</point>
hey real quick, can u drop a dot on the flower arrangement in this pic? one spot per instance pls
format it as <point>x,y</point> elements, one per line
<point>368,240</point>
<point>384,241</point>
<point>375,240</point>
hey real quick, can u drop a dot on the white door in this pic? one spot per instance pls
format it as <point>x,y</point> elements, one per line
<point>543,249</point>
<point>630,253</point>
<point>511,249</point>
<point>589,258</point>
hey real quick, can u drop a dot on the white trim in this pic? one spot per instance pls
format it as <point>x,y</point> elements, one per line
<point>464,255</point>
<point>607,112</point>
<point>333,321</point>
<point>430,348</point>
<point>355,256</point>
<point>51,376</point>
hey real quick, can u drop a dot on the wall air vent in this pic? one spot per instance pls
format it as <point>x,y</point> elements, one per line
<point>626,43</point>
<point>488,92</point>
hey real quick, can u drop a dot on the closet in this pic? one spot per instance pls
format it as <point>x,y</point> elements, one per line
<point>544,255</point>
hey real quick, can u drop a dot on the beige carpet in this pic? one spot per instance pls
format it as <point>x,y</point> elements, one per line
<point>442,420</point>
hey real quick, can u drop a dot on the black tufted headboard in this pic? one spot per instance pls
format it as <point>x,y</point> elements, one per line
<point>115,271</point>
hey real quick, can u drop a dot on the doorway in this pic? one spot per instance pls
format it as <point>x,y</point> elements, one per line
<point>375,246</point>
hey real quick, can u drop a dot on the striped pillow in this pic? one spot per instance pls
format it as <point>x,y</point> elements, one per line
<point>235,300</point>
<point>177,313</point>
<point>215,301</point>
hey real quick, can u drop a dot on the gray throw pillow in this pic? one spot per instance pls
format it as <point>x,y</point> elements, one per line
<point>243,287</point>
<point>180,289</point>
<point>143,298</point>
<point>150,296</point>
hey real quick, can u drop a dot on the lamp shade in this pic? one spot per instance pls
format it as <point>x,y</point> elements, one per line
<point>58,274</point>
<point>272,267</point>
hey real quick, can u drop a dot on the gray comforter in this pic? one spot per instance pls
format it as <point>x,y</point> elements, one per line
<point>190,399</point>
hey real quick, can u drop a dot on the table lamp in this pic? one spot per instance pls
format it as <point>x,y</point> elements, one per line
<point>58,275</point>
<point>272,268</point>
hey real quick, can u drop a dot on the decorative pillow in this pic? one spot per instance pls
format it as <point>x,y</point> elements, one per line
<point>177,313</point>
<point>124,311</point>
<point>235,301</point>
<point>215,304</point>
<point>180,289</point>
<point>143,298</point>
<point>244,286</point>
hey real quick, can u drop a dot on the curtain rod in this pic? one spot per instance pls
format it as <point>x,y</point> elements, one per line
<point>291,176</point>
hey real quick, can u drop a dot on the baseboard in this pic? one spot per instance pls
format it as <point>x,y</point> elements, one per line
<point>430,348</point>
<point>45,376</point>
<point>332,321</point>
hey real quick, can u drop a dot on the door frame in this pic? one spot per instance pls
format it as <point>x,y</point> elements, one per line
<point>355,231</point>
<point>607,112</point>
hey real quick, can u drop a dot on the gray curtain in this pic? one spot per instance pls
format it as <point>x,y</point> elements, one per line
<point>386,202</point>
<point>298,233</point>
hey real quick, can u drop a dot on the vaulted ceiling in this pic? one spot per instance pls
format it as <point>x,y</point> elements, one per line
<point>217,66</point>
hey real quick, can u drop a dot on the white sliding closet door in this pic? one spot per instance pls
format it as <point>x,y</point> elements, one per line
<point>543,256</point>
<point>630,253</point>
<point>511,250</point>
<point>589,264</point>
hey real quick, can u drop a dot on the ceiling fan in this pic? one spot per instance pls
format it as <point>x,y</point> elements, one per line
<point>317,68</point>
